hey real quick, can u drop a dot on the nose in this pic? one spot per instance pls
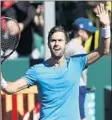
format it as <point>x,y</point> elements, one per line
<point>56,42</point>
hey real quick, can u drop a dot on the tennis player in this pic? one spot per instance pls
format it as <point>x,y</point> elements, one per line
<point>82,29</point>
<point>58,78</point>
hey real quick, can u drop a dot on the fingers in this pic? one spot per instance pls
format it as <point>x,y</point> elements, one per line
<point>100,9</point>
<point>12,27</point>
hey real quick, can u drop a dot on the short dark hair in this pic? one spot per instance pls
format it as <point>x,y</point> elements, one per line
<point>57,29</point>
<point>73,31</point>
<point>75,28</point>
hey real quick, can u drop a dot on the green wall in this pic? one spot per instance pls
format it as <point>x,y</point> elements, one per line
<point>14,69</point>
<point>99,76</point>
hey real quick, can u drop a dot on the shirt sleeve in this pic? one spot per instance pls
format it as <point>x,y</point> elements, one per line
<point>31,76</point>
<point>81,59</point>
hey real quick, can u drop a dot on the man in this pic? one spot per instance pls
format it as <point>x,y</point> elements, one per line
<point>58,78</point>
<point>83,28</point>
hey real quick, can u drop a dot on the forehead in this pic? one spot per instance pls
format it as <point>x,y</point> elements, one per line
<point>87,32</point>
<point>58,35</point>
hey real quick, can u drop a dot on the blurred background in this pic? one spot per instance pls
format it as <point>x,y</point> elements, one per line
<point>35,19</point>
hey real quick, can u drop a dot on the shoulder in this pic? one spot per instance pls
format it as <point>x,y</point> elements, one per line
<point>38,66</point>
<point>35,69</point>
<point>78,57</point>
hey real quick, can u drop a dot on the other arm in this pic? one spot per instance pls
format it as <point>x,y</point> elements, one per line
<point>104,46</point>
<point>13,87</point>
<point>29,79</point>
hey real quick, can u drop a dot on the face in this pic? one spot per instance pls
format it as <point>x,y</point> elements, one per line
<point>84,34</point>
<point>57,44</point>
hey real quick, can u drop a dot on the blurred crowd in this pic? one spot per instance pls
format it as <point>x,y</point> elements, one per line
<point>68,12</point>
<point>30,16</point>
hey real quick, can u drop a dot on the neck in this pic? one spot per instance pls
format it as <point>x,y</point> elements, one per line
<point>56,62</point>
<point>78,40</point>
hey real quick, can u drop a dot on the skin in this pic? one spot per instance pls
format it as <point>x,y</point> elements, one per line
<point>83,34</point>
<point>57,47</point>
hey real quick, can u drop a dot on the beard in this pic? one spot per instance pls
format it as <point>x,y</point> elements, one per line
<point>57,54</point>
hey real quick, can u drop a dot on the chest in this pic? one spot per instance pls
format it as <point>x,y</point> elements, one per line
<point>59,78</point>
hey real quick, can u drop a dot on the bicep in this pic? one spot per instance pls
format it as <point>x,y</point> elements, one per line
<point>93,57</point>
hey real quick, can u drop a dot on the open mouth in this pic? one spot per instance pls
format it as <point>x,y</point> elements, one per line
<point>57,49</point>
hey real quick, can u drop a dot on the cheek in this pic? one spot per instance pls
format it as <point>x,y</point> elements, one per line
<point>50,45</point>
<point>86,36</point>
<point>64,46</point>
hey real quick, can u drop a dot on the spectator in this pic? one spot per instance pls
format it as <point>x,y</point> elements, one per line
<point>57,77</point>
<point>23,12</point>
<point>38,30</point>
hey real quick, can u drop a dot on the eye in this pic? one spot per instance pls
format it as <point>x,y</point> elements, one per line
<point>53,40</point>
<point>60,40</point>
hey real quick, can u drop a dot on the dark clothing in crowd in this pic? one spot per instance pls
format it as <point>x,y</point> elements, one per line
<point>23,12</point>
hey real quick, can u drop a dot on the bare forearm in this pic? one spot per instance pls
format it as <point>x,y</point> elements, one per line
<point>13,87</point>
<point>102,50</point>
<point>9,89</point>
<point>104,46</point>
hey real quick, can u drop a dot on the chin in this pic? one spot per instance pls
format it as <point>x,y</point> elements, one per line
<point>85,39</point>
<point>57,56</point>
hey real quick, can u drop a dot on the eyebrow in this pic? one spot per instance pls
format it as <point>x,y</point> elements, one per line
<point>56,39</point>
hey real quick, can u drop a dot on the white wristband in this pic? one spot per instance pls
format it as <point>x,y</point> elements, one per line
<point>105,32</point>
<point>3,83</point>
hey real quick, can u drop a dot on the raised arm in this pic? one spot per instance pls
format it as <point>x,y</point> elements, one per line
<point>104,46</point>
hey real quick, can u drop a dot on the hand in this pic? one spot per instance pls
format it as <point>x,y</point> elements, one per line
<point>103,15</point>
<point>12,27</point>
<point>3,82</point>
<point>21,25</point>
<point>39,20</point>
<point>40,10</point>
